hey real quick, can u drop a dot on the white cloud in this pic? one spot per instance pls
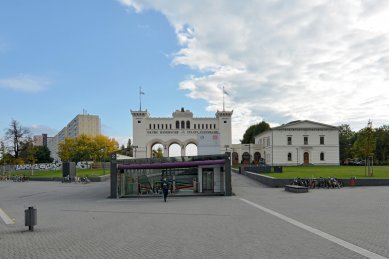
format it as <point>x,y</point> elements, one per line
<point>25,83</point>
<point>321,60</point>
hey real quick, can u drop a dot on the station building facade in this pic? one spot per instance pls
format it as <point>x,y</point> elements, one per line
<point>181,129</point>
<point>296,143</point>
<point>300,142</point>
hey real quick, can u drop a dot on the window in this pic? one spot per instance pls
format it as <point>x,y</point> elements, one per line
<point>305,140</point>
<point>321,140</point>
<point>289,138</point>
<point>202,126</point>
<point>154,126</point>
<point>289,156</point>
<point>177,124</point>
<point>158,126</point>
<point>138,121</point>
<point>161,126</point>
<point>206,126</point>
<point>225,121</point>
<point>170,126</point>
<point>182,124</point>
<point>322,156</point>
<point>188,124</point>
<point>194,126</point>
<point>150,126</point>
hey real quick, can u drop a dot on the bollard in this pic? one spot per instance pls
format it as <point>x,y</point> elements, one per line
<point>30,216</point>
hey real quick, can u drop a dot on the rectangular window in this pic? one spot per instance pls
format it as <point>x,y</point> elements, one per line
<point>289,140</point>
<point>321,140</point>
<point>305,140</point>
<point>289,156</point>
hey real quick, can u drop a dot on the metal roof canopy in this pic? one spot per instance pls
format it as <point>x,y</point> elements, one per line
<point>172,164</point>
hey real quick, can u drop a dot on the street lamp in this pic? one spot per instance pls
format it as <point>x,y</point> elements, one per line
<point>102,158</point>
<point>135,147</point>
<point>226,146</point>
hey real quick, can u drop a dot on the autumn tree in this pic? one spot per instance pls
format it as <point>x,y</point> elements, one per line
<point>86,148</point>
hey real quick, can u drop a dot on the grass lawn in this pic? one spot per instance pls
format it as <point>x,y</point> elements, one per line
<point>58,173</point>
<point>330,171</point>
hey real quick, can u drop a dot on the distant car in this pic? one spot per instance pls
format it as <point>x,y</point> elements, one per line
<point>360,162</point>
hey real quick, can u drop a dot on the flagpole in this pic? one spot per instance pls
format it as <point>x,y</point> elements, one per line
<point>223,100</point>
<point>140,98</point>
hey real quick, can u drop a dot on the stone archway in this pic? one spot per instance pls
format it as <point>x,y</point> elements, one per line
<point>257,157</point>
<point>191,149</point>
<point>245,158</point>
<point>174,149</point>
<point>235,158</point>
<point>157,150</point>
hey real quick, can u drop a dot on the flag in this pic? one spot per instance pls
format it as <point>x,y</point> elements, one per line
<point>225,92</point>
<point>141,92</point>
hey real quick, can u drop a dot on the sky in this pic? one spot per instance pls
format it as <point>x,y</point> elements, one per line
<point>279,61</point>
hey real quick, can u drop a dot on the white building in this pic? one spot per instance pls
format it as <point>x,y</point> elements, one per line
<point>82,124</point>
<point>181,129</point>
<point>300,142</point>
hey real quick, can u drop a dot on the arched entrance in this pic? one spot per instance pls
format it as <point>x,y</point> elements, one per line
<point>191,149</point>
<point>157,150</point>
<point>174,150</point>
<point>235,158</point>
<point>257,157</point>
<point>246,158</point>
<point>306,158</point>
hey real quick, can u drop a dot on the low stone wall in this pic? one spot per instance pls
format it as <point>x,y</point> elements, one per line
<point>276,182</point>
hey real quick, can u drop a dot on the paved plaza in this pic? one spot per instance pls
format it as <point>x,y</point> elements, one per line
<point>78,221</point>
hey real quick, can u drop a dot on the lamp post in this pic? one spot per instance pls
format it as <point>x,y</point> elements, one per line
<point>102,158</point>
<point>135,147</point>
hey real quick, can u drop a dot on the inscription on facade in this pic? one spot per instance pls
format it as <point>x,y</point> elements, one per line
<point>176,132</point>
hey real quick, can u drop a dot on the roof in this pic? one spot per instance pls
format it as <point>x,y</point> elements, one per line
<point>173,164</point>
<point>294,125</point>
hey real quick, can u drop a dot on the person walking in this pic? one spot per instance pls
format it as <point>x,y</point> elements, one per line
<point>165,188</point>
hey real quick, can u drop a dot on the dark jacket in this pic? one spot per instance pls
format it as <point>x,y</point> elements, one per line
<point>165,185</point>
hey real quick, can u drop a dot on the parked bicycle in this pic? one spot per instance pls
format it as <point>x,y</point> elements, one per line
<point>325,183</point>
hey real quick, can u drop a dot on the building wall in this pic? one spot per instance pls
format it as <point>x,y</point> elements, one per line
<point>82,124</point>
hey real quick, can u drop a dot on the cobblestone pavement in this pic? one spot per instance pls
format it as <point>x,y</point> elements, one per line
<point>78,221</point>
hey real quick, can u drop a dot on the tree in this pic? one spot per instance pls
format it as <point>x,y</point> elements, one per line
<point>158,153</point>
<point>346,140</point>
<point>252,131</point>
<point>86,148</point>
<point>382,144</point>
<point>126,151</point>
<point>42,154</point>
<point>16,135</point>
<point>365,145</point>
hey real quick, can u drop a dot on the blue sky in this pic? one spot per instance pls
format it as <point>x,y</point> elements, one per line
<point>67,56</point>
<point>280,61</point>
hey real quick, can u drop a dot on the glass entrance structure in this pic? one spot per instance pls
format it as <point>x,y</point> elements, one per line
<point>196,175</point>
